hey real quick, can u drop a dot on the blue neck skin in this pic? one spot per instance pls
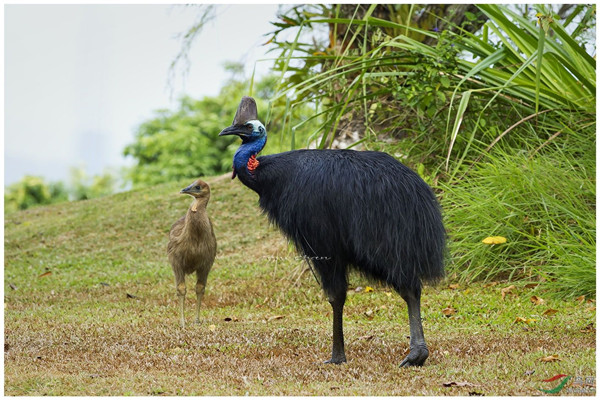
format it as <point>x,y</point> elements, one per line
<point>247,149</point>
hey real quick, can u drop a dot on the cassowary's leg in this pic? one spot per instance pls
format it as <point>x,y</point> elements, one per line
<point>180,286</point>
<point>418,349</point>
<point>337,301</point>
<point>201,279</point>
<point>335,284</point>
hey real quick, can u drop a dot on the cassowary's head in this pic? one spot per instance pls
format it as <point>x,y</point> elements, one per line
<point>252,132</point>
<point>246,124</point>
<point>198,189</point>
<point>249,131</point>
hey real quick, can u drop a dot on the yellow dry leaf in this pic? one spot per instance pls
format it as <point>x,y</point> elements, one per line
<point>388,294</point>
<point>490,284</point>
<point>368,289</point>
<point>550,311</point>
<point>494,240</point>
<point>454,286</point>
<point>524,320</point>
<point>580,299</point>
<point>537,300</point>
<point>552,358</point>
<point>448,311</point>
<point>212,328</point>
<point>507,290</point>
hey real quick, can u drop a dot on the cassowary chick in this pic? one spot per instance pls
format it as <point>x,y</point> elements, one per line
<point>192,245</point>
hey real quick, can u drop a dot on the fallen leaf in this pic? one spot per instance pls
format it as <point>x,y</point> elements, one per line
<point>368,289</point>
<point>588,328</point>
<point>388,294</point>
<point>507,290</point>
<point>104,284</point>
<point>550,311</point>
<point>212,328</point>
<point>530,372</point>
<point>537,300</point>
<point>369,314</point>
<point>12,286</point>
<point>228,319</point>
<point>47,273</point>
<point>494,240</point>
<point>130,296</point>
<point>531,285</point>
<point>454,286</point>
<point>366,337</point>
<point>448,311</point>
<point>524,320</point>
<point>358,289</point>
<point>275,317</point>
<point>593,308</point>
<point>490,284</point>
<point>580,299</point>
<point>458,384</point>
<point>552,358</point>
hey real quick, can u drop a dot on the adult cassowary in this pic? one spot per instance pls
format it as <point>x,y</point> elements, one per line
<point>346,208</point>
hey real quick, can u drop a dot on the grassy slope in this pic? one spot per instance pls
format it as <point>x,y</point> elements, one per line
<point>75,331</point>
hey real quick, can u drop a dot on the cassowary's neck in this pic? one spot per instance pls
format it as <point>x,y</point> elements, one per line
<point>245,151</point>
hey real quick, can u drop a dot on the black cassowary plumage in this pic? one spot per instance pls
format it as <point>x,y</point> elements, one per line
<point>348,209</point>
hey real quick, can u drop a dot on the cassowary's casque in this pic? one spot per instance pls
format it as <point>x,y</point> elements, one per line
<point>192,245</point>
<point>345,208</point>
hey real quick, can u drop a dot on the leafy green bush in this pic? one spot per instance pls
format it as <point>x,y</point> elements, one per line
<point>30,191</point>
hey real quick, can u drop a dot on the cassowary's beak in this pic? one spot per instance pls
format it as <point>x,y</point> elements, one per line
<point>238,130</point>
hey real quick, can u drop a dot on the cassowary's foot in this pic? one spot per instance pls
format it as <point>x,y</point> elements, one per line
<point>416,357</point>
<point>336,360</point>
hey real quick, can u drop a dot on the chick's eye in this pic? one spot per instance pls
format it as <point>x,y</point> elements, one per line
<point>197,187</point>
<point>261,129</point>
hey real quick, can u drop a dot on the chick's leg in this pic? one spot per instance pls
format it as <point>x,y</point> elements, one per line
<point>180,286</point>
<point>200,286</point>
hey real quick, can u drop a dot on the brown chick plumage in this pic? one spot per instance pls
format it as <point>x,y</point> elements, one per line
<point>192,245</point>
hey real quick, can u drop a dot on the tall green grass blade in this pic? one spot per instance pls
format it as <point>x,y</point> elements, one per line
<point>462,107</point>
<point>538,69</point>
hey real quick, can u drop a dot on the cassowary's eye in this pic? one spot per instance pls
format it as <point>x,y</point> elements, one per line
<point>261,129</point>
<point>197,187</point>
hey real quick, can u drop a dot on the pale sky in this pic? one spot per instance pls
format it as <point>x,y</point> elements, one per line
<point>78,79</point>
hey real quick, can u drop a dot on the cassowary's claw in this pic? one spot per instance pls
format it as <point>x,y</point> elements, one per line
<point>416,357</point>
<point>336,360</point>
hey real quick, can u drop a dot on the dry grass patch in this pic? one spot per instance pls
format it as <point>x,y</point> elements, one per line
<point>266,327</point>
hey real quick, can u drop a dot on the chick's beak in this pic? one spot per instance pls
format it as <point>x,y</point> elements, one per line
<point>186,190</point>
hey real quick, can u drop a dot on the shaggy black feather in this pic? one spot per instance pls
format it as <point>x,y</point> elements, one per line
<point>353,208</point>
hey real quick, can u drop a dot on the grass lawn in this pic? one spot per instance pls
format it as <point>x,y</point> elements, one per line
<point>90,308</point>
